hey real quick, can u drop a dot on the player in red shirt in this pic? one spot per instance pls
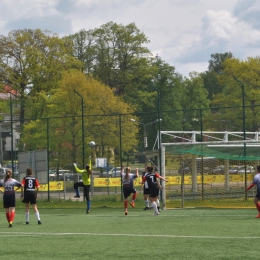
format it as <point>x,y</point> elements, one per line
<point>29,190</point>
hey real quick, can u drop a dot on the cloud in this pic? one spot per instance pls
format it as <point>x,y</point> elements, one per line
<point>31,14</point>
<point>184,33</point>
<point>249,12</point>
<point>222,32</point>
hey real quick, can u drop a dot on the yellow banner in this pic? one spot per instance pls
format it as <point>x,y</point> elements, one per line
<point>53,186</point>
<point>113,182</point>
<point>172,180</point>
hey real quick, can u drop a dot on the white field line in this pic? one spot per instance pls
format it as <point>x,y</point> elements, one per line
<point>22,234</point>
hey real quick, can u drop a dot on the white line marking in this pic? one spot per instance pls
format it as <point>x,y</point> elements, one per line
<point>5,234</point>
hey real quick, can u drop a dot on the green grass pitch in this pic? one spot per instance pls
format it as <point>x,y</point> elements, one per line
<point>106,233</point>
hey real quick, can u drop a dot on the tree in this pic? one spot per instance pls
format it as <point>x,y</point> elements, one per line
<point>116,55</point>
<point>215,68</point>
<point>216,62</point>
<point>31,61</point>
<point>211,83</point>
<point>169,83</point>
<point>193,100</point>
<point>247,72</point>
<point>101,112</point>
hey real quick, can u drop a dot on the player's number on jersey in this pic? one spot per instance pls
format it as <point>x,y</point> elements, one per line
<point>30,184</point>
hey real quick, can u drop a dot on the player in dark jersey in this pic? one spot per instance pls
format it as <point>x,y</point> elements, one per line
<point>29,190</point>
<point>154,186</point>
<point>128,186</point>
<point>9,196</point>
<point>146,190</point>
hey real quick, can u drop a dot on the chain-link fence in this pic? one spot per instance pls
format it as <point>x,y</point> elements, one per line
<point>133,140</point>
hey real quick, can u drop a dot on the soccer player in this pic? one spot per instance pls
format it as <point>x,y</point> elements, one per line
<point>29,190</point>
<point>128,186</point>
<point>256,181</point>
<point>154,186</point>
<point>9,195</point>
<point>146,191</point>
<point>86,181</point>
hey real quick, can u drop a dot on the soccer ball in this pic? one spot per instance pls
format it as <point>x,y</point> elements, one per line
<point>92,143</point>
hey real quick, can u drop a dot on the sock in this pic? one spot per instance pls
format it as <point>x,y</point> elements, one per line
<point>147,203</point>
<point>155,207</point>
<point>27,216</point>
<point>134,197</point>
<point>7,216</point>
<point>77,192</point>
<point>11,216</point>
<point>88,204</point>
<point>258,207</point>
<point>125,204</point>
<point>37,214</point>
<point>158,203</point>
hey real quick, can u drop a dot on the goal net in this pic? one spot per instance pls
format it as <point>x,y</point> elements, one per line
<point>210,174</point>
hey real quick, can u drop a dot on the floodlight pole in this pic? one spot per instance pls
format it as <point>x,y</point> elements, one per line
<point>12,133</point>
<point>83,134</point>
<point>244,127</point>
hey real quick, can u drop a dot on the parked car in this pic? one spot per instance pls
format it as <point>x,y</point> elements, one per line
<point>184,170</point>
<point>71,176</point>
<point>52,175</point>
<point>219,169</point>
<point>249,169</point>
<point>235,169</point>
<point>15,168</point>
<point>114,172</point>
<point>3,171</point>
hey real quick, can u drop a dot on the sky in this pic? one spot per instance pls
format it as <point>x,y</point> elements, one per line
<point>184,33</point>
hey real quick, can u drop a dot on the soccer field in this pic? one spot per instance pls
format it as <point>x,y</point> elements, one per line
<point>106,233</point>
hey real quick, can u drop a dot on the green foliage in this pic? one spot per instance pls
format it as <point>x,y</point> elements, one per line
<point>116,55</point>
<point>193,99</point>
<point>247,72</point>
<point>211,84</point>
<point>32,62</point>
<point>65,129</point>
<point>216,62</point>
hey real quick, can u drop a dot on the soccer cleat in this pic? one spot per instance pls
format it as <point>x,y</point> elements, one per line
<point>159,209</point>
<point>151,207</point>
<point>27,223</point>
<point>126,212</point>
<point>77,196</point>
<point>10,224</point>
<point>39,222</point>
<point>132,204</point>
<point>258,216</point>
<point>146,208</point>
<point>88,211</point>
<point>156,213</point>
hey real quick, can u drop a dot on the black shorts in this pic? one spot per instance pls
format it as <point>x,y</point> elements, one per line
<point>29,197</point>
<point>146,191</point>
<point>257,195</point>
<point>154,192</point>
<point>128,191</point>
<point>9,200</point>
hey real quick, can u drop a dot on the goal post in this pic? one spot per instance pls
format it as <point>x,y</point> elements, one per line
<point>211,173</point>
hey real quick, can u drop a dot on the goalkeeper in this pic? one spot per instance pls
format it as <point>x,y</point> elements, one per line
<point>86,181</point>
